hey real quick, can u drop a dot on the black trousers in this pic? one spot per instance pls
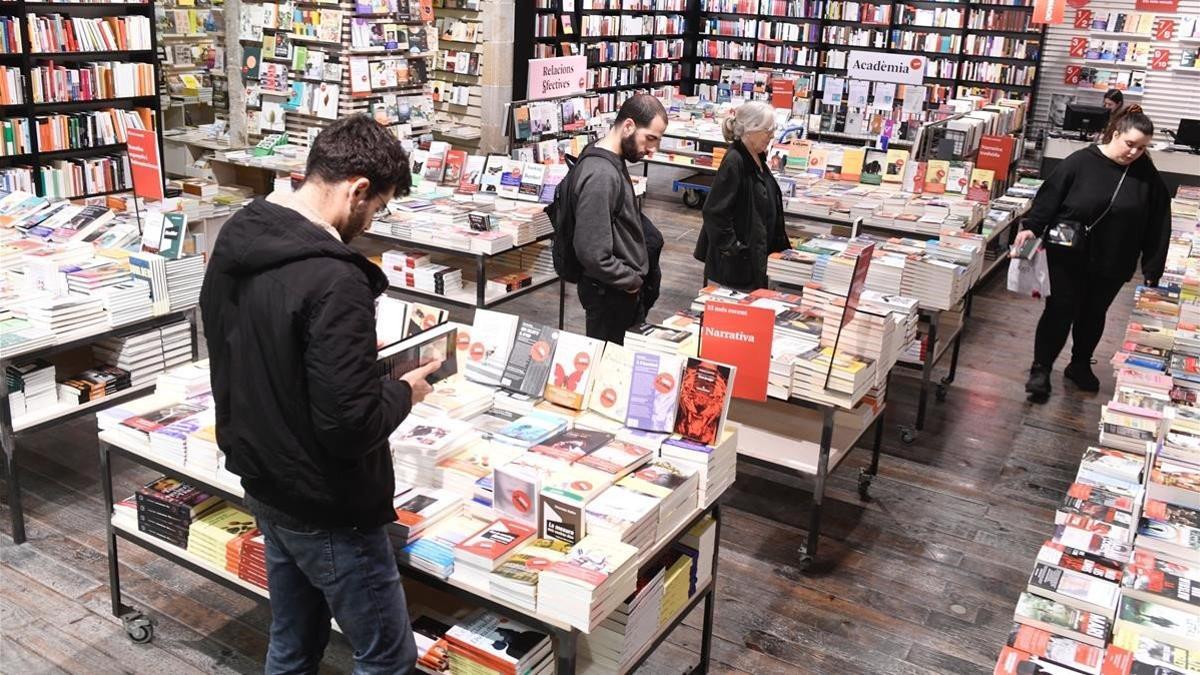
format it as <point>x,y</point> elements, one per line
<point>1078,304</point>
<point>609,311</point>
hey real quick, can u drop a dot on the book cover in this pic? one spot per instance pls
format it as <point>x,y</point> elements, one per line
<point>852,164</point>
<point>1056,649</point>
<point>741,336</point>
<point>526,565</point>
<point>510,178</point>
<point>492,337</point>
<point>493,171</point>
<point>1057,618</point>
<point>617,458</point>
<point>573,445</point>
<point>959,177</point>
<point>653,392</point>
<point>704,392</point>
<point>980,189</point>
<point>1173,625</point>
<point>936,175</point>
<point>592,561</point>
<point>495,542</point>
<point>423,317</point>
<point>896,160</point>
<point>496,642</point>
<point>873,167</point>
<point>571,370</point>
<point>517,486</point>
<point>565,495</point>
<point>455,162</point>
<point>472,173</point>
<point>1075,589</point>
<point>179,498</point>
<point>528,366</point>
<point>610,393</point>
<point>162,417</point>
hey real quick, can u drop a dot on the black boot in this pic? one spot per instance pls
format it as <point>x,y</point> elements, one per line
<point>1080,372</point>
<point>1038,384</point>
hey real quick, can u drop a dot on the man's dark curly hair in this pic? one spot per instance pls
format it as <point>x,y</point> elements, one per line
<point>359,146</point>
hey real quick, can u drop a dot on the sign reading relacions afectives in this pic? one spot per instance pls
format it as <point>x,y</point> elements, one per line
<point>898,68</point>
<point>560,76</point>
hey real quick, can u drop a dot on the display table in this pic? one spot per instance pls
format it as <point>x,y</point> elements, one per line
<point>115,443</point>
<point>12,429</point>
<point>1177,167</point>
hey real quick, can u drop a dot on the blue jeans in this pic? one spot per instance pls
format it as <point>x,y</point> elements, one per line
<point>352,572</point>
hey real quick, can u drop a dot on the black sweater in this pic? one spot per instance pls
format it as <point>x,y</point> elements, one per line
<point>1139,223</point>
<point>303,415</point>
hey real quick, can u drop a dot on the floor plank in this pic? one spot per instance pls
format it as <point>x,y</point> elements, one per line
<point>920,579</point>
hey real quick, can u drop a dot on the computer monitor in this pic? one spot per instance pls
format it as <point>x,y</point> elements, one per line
<point>1085,118</point>
<point>1188,134</point>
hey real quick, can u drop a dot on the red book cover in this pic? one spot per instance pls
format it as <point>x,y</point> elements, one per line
<point>995,154</point>
<point>740,336</point>
<point>704,394</point>
<point>1054,648</point>
<point>500,538</point>
<point>455,160</point>
<point>1117,661</point>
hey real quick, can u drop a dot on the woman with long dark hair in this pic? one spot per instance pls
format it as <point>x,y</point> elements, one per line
<point>1101,209</point>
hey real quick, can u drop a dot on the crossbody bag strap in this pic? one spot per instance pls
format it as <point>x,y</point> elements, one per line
<point>1111,200</point>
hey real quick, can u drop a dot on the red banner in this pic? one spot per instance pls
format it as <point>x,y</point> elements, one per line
<point>1157,6</point>
<point>145,164</point>
<point>1078,47</point>
<point>1071,75</point>
<point>1083,18</point>
<point>740,335</point>
<point>1164,29</point>
<point>1160,59</point>
<point>1048,11</point>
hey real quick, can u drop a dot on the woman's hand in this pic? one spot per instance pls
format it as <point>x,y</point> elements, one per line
<point>1019,242</point>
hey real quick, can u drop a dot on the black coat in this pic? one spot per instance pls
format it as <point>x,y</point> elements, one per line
<point>734,242</point>
<point>303,415</point>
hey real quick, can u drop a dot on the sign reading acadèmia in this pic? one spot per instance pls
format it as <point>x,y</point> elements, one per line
<point>898,68</point>
<point>561,76</point>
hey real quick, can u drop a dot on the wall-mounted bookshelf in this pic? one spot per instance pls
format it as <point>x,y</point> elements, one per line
<point>457,73</point>
<point>78,77</point>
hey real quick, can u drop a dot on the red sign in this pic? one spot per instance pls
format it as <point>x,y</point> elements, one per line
<point>1164,29</point>
<point>145,165</point>
<point>1071,75</point>
<point>1078,47</point>
<point>995,154</point>
<point>1171,6</point>
<point>1079,3</point>
<point>1048,11</point>
<point>740,336</point>
<point>1160,59</point>
<point>1083,18</point>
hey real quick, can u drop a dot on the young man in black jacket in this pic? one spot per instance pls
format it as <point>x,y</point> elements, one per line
<point>303,415</point>
<point>609,238</point>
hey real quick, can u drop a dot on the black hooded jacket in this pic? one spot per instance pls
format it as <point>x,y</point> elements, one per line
<point>303,415</point>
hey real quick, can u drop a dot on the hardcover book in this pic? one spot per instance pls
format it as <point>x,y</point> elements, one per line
<point>653,392</point>
<point>704,392</point>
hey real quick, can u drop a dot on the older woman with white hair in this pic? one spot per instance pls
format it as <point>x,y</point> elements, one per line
<point>743,215</point>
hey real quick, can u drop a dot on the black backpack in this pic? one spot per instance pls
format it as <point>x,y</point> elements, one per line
<point>561,212</point>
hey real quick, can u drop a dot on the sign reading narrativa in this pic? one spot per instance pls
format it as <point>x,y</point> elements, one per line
<point>561,76</point>
<point>898,68</point>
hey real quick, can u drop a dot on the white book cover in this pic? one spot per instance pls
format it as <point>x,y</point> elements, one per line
<point>576,359</point>
<point>510,178</point>
<point>492,172</point>
<point>360,76</point>
<point>491,341</point>
<point>610,391</point>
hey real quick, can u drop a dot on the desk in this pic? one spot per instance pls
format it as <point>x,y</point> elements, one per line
<point>1177,168</point>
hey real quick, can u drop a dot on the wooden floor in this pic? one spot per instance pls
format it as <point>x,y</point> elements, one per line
<point>922,579</point>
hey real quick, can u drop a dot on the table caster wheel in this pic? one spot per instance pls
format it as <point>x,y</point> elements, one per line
<point>940,393</point>
<point>907,435</point>
<point>864,485</point>
<point>692,198</point>
<point>139,627</point>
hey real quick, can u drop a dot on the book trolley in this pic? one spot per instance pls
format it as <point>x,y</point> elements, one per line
<point>12,429</point>
<point>565,637</point>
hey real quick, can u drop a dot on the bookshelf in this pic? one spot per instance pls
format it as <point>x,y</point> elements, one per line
<point>77,97</point>
<point>194,54</point>
<point>458,73</point>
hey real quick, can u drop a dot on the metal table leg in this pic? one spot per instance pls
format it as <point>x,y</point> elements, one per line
<point>927,368</point>
<point>562,302</point>
<point>567,645</point>
<point>710,601</point>
<point>480,282</point>
<point>809,551</point>
<point>866,476</point>
<point>16,511</point>
<point>137,625</point>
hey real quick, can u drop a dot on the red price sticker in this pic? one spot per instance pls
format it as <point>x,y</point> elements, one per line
<point>1083,18</point>
<point>1071,76</point>
<point>1078,47</point>
<point>1165,29</point>
<point>1161,59</point>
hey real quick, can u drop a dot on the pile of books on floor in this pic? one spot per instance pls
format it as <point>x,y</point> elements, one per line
<point>1114,590</point>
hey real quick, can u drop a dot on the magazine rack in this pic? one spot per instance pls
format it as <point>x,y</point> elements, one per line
<point>11,430</point>
<point>140,627</point>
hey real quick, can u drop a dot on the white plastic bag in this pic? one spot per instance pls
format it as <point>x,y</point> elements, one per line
<point>1029,278</point>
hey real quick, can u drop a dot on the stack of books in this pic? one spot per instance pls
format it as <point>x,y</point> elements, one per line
<point>716,465</point>
<point>585,587</point>
<point>486,642</point>
<point>456,398</point>
<point>419,509</point>
<point>612,646</point>
<point>211,535</point>
<point>167,507</point>
<point>252,565</point>
<point>516,580</point>
<point>673,484</point>
<point>68,317</point>
<point>476,557</point>
<point>625,515</point>
<point>92,384</point>
<point>31,387</point>
<point>418,444</point>
<point>434,551</point>
<point>461,472</point>
<point>184,278</point>
<point>170,441</point>
<point>676,584</point>
<point>140,353</point>
<point>126,302</point>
